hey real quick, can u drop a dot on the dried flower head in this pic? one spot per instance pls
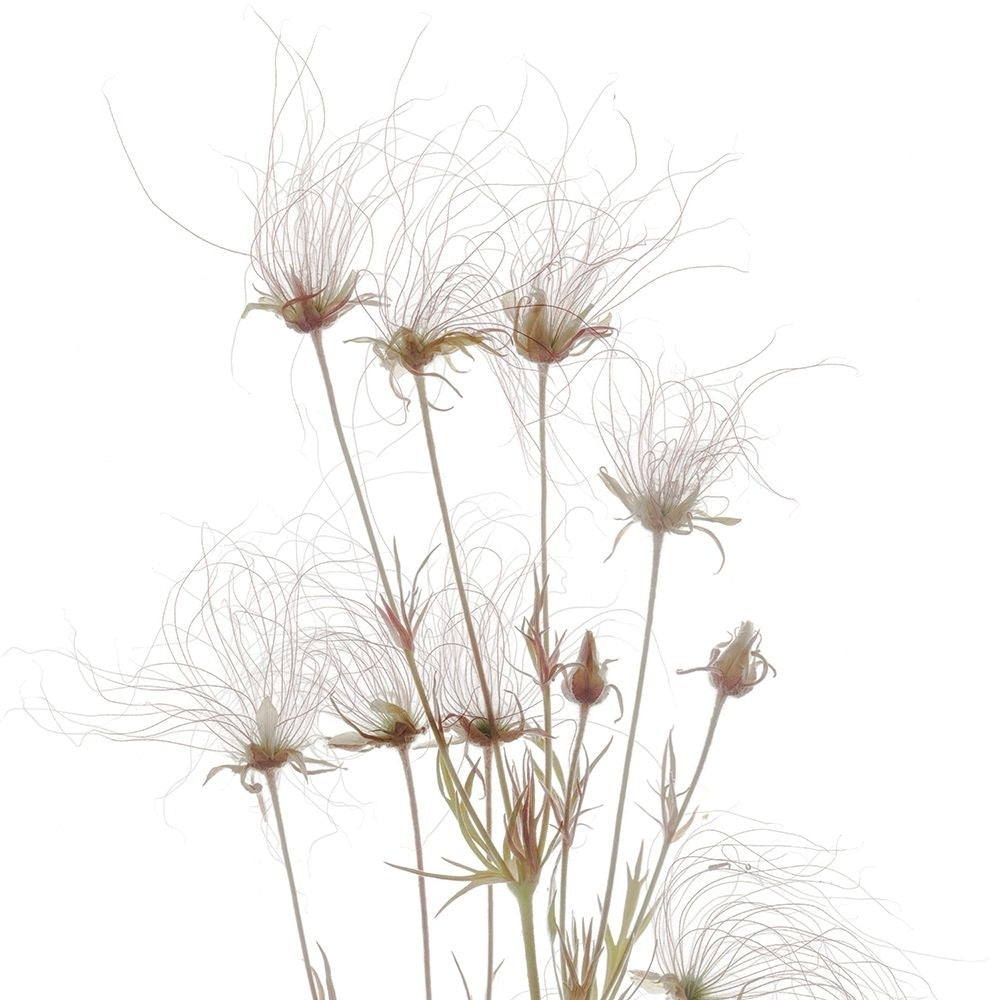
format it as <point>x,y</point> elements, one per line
<point>375,697</point>
<point>239,668</point>
<point>313,213</point>
<point>685,438</point>
<point>440,301</point>
<point>736,666</point>
<point>512,693</point>
<point>548,332</point>
<point>582,247</point>
<point>761,915</point>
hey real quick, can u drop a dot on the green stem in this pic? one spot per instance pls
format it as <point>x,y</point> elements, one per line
<point>574,763</point>
<point>404,753</point>
<point>525,905</point>
<point>630,745</point>
<point>271,775</point>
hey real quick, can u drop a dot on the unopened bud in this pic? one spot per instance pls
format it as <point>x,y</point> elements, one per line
<point>736,666</point>
<point>586,680</point>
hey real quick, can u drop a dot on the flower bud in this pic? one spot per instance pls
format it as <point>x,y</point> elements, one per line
<point>736,666</point>
<point>586,680</point>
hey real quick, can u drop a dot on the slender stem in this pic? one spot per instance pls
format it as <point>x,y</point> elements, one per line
<point>670,833</point>
<point>543,374</point>
<point>317,339</point>
<point>439,737</point>
<point>418,846</point>
<point>456,569</point>
<point>272,786</point>
<point>668,836</point>
<point>574,763</point>
<point>490,933</point>
<point>720,700</point>
<point>525,904</point>
<point>630,745</point>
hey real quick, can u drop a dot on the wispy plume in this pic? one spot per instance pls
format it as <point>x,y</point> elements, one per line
<point>316,199</point>
<point>440,299</point>
<point>674,444</point>
<point>239,668</point>
<point>764,914</point>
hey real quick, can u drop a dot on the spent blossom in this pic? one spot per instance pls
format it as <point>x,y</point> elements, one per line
<point>668,454</point>
<point>582,248</point>
<point>238,668</point>
<point>439,298</point>
<point>375,697</point>
<point>313,215</point>
<point>762,914</point>
<point>511,695</point>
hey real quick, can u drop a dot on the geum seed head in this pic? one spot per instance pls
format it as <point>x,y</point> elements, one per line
<point>248,622</point>
<point>313,211</point>
<point>440,302</point>
<point>583,246</point>
<point>672,449</point>
<point>762,915</point>
<point>512,693</point>
<point>237,669</point>
<point>311,234</point>
<point>374,696</point>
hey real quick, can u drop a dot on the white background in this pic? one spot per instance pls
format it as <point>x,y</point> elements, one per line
<point>134,408</point>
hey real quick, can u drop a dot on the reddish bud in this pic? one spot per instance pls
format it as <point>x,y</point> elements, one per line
<point>586,680</point>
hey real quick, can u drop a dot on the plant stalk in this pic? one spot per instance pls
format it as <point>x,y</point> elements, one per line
<point>271,775</point>
<point>418,846</point>
<point>630,745</point>
<point>456,569</point>
<point>574,764</point>
<point>641,916</point>
<point>317,339</point>
<point>490,929</point>
<point>525,905</point>
<point>439,738</point>
<point>543,377</point>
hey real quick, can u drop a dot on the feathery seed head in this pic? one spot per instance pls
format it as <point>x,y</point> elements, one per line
<point>760,915</point>
<point>311,235</point>
<point>240,667</point>
<point>313,212</point>
<point>686,437</point>
<point>375,696</point>
<point>412,351</point>
<point>439,298</point>
<point>511,693</point>
<point>583,246</point>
